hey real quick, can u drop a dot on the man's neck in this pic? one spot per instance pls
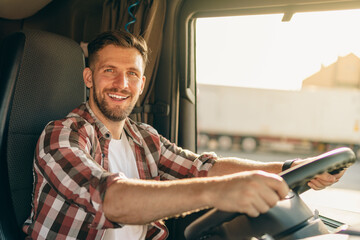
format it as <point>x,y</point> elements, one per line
<point>115,127</point>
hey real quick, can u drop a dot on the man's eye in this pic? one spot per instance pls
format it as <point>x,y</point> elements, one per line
<point>132,73</point>
<point>109,70</point>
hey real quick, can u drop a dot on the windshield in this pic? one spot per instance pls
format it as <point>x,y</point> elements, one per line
<point>271,88</point>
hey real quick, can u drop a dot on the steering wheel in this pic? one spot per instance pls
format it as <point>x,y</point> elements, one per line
<point>296,177</point>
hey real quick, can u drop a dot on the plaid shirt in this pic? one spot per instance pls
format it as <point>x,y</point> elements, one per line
<point>71,174</point>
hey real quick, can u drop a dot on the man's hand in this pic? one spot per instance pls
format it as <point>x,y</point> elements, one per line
<point>323,180</point>
<point>251,192</point>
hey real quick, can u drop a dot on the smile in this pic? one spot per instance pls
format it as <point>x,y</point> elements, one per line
<point>117,97</point>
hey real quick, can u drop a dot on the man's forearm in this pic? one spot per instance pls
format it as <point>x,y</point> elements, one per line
<point>233,165</point>
<point>144,201</point>
<point>169,198</point>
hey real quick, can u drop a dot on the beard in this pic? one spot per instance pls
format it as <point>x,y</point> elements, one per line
<point>117,113</point>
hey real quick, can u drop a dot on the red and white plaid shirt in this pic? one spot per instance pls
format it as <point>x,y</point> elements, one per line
<point>71,174</point>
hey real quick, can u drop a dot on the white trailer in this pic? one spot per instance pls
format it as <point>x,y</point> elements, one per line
<point>252,117</point>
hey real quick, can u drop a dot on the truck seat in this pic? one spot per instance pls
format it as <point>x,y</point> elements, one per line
<point>40,80</point>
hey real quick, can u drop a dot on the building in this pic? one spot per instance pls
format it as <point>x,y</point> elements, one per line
<point>344,73</point>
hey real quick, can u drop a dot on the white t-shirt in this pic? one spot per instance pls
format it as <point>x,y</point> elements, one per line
<point>122,159</point>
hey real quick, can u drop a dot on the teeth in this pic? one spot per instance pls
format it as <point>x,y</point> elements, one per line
<point>116,96</point>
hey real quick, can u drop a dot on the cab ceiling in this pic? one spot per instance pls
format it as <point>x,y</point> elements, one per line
<point>20,9</point>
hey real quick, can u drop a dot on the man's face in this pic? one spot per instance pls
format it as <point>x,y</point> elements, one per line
<point>116,82</point>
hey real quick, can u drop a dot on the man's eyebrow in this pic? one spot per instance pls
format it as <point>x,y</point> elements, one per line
<point>134,69</point>
<point>106,66</point>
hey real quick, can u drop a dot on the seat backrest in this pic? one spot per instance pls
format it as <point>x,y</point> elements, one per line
<point>40,81</point>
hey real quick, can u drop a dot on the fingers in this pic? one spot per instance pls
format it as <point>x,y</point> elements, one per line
<point>257,207</point>
<point>257,192</point>
<point>324,180</point>
<point>266,200</point>
<point>316,184</point>
<point>277,184</point>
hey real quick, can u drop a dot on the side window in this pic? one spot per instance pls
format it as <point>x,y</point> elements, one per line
<point>273,90</point>
<point>268,85</point>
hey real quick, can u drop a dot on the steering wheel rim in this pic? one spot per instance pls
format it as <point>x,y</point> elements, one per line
<point>296,177</point>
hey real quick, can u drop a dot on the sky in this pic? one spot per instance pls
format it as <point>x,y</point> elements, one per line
<point>261,51</point>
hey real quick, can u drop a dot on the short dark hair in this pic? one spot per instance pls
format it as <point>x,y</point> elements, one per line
<point>118,38</point>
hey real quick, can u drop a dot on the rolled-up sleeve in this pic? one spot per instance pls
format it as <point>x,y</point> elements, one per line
<point>177,163</point>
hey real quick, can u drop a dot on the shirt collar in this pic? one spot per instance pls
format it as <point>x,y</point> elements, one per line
<point>132,131</point>
<point>128,127</point>
<point>102,128</point>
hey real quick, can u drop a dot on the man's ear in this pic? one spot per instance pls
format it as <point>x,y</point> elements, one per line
<point>87,76</point>
<point>143,84</point>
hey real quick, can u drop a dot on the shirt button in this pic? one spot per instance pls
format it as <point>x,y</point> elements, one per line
<point>107,135</point>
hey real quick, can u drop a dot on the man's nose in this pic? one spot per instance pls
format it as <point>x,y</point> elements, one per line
<point>121,81</point>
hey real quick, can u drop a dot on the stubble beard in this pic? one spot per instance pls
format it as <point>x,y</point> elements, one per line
<point>115,114</point>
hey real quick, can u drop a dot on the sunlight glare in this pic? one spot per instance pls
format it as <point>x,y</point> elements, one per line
<point>262,51</point>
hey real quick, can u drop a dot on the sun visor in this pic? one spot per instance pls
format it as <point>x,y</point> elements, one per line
<point>19,9</point>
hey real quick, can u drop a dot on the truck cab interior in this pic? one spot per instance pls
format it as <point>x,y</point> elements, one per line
<point>43,53</point>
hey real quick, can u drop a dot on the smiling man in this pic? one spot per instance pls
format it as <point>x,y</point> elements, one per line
<point>115,79</point>
<point>98,174</point>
